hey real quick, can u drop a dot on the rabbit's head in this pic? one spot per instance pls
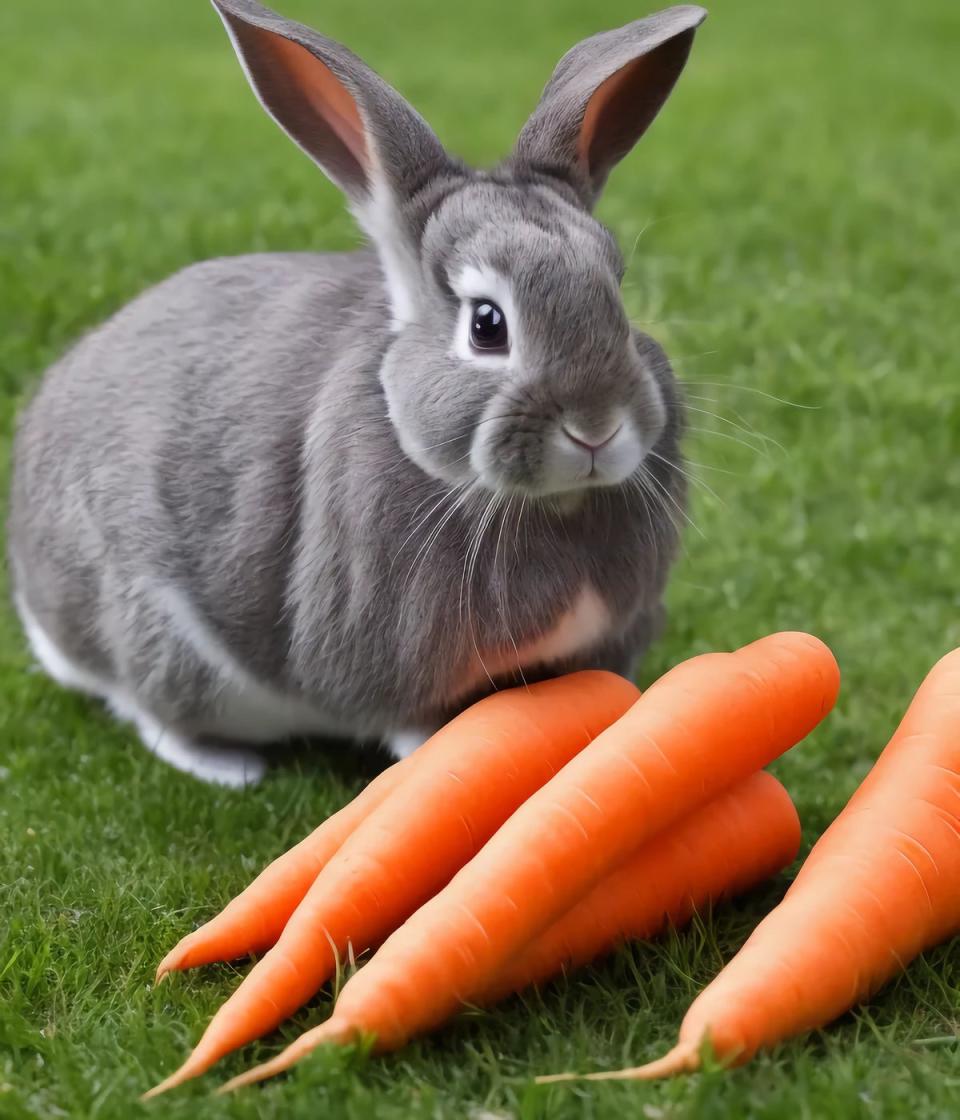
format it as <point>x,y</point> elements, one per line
<point>511,362</point>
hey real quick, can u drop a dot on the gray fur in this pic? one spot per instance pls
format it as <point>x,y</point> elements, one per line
<point>262,435</point>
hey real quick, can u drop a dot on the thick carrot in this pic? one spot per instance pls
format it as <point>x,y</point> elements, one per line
<point>253,921</point>
<point>704,726</point>
<point>740,838</point>
<point>481,767</point>
<point>881,885</point>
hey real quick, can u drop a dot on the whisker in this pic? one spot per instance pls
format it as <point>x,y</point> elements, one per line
<point>746,425</point>
<point>708,467</point>
<point>655,498</point>
<point>673,501</point>
<point>758,392</point>
<point>443,497</point>
<point>434,536</point>
<point>516,535</point>
<point>522,509</point>
<point>739,427</point>
<point>636,242</point>
<point>648,499</point>
<point>680,468</point>
<point>501,588</point>
<point>485,521</point>
<point>726,435</point>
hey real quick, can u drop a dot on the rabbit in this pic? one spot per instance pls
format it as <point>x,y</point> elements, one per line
<point>347,494</point>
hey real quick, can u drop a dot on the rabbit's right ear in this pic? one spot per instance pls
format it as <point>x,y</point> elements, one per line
<point>361,132</point>
<point>603,95</point>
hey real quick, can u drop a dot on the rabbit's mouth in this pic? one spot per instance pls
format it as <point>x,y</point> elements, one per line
<point>561,455</point>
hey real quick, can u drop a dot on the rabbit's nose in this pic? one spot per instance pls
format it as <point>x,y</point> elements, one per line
<point>591,442</point>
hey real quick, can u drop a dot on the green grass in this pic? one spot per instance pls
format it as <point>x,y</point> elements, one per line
<point>791,227</point>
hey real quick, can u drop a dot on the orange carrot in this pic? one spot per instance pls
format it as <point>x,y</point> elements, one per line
<point>481,767</point>
<point>881,885</point>
<point>252,922</point>
<point>707,724</point>
<point>737,840</point>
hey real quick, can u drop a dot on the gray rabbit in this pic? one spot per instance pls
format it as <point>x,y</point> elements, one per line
<point>349,493</point>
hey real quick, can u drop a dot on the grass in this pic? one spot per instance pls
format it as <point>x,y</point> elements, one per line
<point>791,227</point>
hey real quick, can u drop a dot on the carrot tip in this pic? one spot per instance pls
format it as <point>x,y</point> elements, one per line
<point>282,1062</point>
<point>172,962</point>
<point>258,1073</point>
<point>330,1031</point>
<point>683,1058</point>
<point>192,1067</point>
<point>552,1078</point>
<point>167,1083</point>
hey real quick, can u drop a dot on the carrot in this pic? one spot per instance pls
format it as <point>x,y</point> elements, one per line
<point>481,767</point>
<point>740,838</point>
<point>881,885</point>
<point>253,921</point>
<point>702,727</point>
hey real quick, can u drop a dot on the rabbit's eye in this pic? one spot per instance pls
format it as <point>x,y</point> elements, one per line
<point>488,326</point>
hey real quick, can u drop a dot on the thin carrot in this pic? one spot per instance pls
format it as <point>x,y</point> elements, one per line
<point>881,885</point>
<point>253,921</point>
<point>481,767</point>
<point>703,727</point>
<point>740,838</point>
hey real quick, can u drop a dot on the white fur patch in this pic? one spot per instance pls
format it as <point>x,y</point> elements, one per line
<point>401,268</point>
<point>246,709</point>
<point>402,744</point>
<point>224,766</point>
<point>581,627</point>
<point>54,662</point>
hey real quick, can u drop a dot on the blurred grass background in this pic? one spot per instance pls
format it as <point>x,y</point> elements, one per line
<point>791,226</point>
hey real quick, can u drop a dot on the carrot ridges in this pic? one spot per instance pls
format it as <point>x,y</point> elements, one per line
<point>701,729</point>
<point>479,768</point>
<point>880,886</point>
<point>742,837</point>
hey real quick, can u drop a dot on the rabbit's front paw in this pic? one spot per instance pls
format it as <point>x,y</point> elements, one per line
<point>222,765</point>
<point>401,744</point>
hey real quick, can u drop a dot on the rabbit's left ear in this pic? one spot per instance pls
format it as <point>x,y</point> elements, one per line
<point>362,133</point>
<point>604,94</point>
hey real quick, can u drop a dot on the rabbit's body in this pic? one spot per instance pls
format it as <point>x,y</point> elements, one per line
<point>233,519</point>
<point>177,580</point>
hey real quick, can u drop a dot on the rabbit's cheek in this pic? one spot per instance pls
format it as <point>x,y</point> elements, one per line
<point>506,456</point>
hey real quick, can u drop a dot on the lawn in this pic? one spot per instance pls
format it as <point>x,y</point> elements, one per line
<point>791,226</point>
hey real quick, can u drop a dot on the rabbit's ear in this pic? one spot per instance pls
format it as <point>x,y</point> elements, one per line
<point>604,94</point>
<point>361,132</point>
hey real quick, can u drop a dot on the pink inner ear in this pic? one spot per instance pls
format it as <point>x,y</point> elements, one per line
<point>325,95</point>
<point>595,108</point>
<point>620,110</point>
